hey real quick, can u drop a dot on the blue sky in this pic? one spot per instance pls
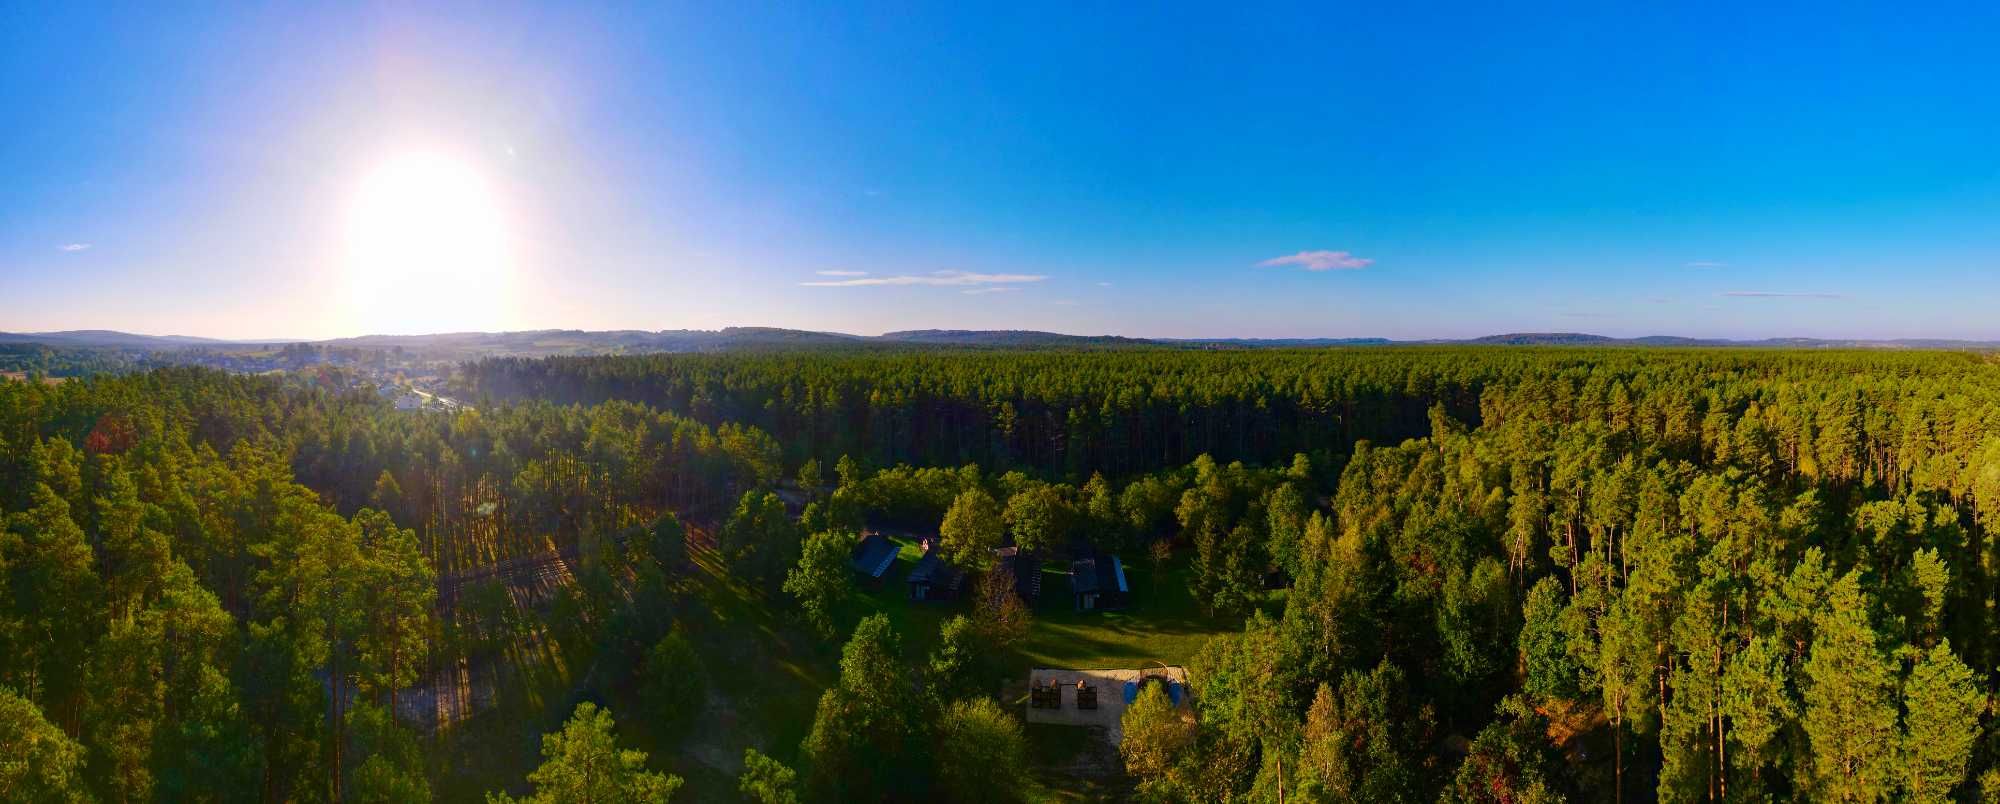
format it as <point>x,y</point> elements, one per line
<point>1709,170</point>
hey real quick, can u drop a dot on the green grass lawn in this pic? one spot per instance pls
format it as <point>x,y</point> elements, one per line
<point>1163,623</point>
<point>917,623</point>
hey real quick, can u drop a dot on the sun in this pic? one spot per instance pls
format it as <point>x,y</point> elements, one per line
<point>428,248</point>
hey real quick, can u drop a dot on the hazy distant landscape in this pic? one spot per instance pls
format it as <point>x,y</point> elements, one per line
<point>130,349</point>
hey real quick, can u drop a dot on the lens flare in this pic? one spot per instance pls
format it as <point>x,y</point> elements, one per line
<point>428,248</point>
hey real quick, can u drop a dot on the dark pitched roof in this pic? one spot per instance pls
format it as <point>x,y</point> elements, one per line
<point>938,579</point>
<point>1099,573</point>
<point>1027,572</point>
<point>927,566</point>
<point>873,555</point>
<point>1083,575</point>
<point>932,569</point>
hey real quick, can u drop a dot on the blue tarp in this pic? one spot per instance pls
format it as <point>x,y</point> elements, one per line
<point>1173,692</point>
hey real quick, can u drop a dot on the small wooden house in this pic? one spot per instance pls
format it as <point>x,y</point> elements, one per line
<point>933,579</point>
<point>1027,571</point>
<point>1098,583</point>
<point>873,557</point>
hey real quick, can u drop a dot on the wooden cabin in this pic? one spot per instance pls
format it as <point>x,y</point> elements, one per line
<point>873,557</point>
<point>1098,583</point>
<point>1027,572</point>
<point>934,579</point>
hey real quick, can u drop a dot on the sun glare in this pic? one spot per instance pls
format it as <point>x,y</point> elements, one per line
<point>428,248</point>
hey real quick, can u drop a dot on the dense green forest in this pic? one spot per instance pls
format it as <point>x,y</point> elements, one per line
<point>48,361</point>
<point>1410,574</point>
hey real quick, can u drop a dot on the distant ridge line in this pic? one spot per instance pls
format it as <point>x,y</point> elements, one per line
<point>573,341</point>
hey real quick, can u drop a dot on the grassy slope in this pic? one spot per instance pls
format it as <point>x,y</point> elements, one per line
<point>1163,622</point>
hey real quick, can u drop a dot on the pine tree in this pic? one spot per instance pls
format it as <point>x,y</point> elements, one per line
<point>1758,702</point>
<point>1850,712</point>
<point>766,780</point>
<point>584,763</point>
<point>37,761</point>
<point>1941,708</point>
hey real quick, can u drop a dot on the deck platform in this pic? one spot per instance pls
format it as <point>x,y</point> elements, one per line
<point>1110,685</point>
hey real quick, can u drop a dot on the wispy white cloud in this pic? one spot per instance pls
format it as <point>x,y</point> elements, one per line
<point>937,278</point>
<point>1766,294</point>
<point>1104,284</point>
<point>1320,261</point>
<point>75,247</point>
<point>982,291</point>
<point>1707,264</point>
<point>841,273</point>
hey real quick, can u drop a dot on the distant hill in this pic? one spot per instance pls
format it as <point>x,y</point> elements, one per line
<point>576,342</point>
<point>1005,337</point>
<point>456,346</point>
<point>1279,343</point>
<point>104,338</point>
<point>1675,340</point>
<point>1542,339</point>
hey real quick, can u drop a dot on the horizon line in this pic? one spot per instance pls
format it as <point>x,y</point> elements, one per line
<point>198,340</point>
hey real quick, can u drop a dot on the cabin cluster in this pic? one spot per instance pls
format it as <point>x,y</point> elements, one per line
<point>1096,579</point>
<point>932,579</point>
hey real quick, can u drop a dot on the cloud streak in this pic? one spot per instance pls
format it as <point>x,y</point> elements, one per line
<point>1707,264</point>
<point>983,291</point>
<point>841,273</point>
<point>1766,294</point>
<point>1320,261</point>
<point>957,279</point>
<point>76,247</point>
